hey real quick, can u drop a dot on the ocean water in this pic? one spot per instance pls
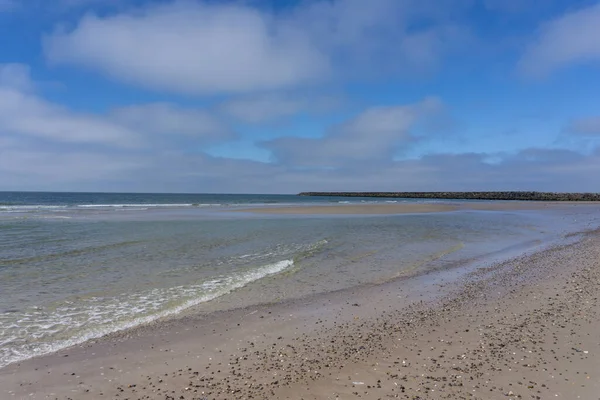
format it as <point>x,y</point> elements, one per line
<point>76,266</point>
<point>56,202</point>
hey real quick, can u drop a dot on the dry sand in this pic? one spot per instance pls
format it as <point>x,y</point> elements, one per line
<point>413,208</point>
<point>524,329</point>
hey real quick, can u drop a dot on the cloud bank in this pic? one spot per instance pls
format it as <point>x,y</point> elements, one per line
<point>202,48</point>
<point>373,136</point>
<point>47,147</point>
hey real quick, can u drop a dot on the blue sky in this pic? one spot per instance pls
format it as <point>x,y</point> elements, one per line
<point>268,96</point>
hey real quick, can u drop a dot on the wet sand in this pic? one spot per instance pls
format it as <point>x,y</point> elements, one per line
<point>414,208</point>
<point>522,329</point>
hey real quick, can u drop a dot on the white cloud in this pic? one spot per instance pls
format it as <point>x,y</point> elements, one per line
<point>40,149</point>
<point>15,76</point>
<point>192,48</point>
<point>199,48</point>
<point>374,135</point>
<point>262,108</point>
<point>24,113</point>
<point>570,39</point>
<point>167,119</point>
<point>532,169</point>
<point>265,108</point>
<point>56,8</point>
<point>46,169</point>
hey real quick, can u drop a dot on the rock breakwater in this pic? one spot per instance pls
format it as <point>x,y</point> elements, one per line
<point>522,196</point>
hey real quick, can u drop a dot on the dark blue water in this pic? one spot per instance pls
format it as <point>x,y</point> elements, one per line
<point>11,200</point>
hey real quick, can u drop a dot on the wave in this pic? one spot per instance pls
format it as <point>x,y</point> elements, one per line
<point>132,205</point>
<point>136,206</point>
<point>30,207</point>
<point>95,317</point>
<point>127,206</point>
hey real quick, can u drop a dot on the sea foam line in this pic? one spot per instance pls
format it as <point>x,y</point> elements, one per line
<point>32,207</point>
<point>233,283</point>
<point>132,205</point>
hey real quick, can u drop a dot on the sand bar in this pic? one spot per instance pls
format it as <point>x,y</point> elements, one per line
<point>413,208</point>
<point>350,209</point>
<point>526,328</point>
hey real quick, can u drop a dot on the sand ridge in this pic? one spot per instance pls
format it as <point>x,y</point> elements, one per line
<point>413,208</point>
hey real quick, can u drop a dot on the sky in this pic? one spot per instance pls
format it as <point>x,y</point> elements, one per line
<point>283,96</point>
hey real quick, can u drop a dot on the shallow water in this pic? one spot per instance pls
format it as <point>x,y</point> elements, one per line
<point>70,273</point>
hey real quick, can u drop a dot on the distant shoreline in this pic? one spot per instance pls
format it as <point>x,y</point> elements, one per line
<point>520,196</point>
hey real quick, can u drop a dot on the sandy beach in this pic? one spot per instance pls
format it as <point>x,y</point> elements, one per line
<point>413,208</point>
<point>526,328</point>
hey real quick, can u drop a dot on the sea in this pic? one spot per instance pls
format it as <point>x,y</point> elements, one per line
<point>78,266</point>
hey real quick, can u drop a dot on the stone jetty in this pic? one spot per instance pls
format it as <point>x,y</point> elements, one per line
<point>522,196</point>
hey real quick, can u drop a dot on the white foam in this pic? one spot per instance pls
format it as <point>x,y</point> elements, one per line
<point>30,207</point>
<point>102,312</point>
<point>124,206</point>
<point>131,205</point>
